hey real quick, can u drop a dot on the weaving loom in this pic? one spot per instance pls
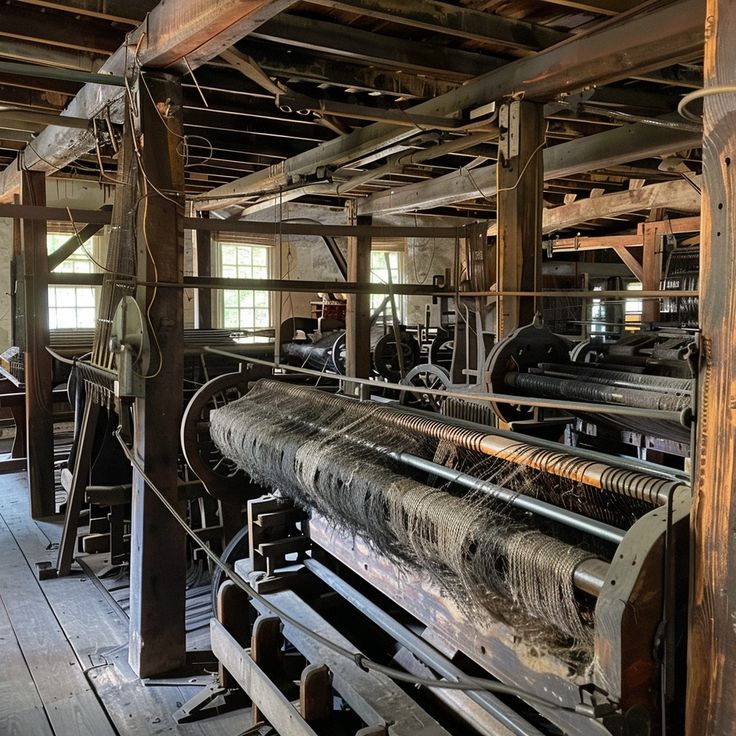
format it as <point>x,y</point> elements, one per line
<point>647,370</point>
<point>545,566</point>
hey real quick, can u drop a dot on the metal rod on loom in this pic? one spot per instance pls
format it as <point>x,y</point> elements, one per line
<point>528,503</point>
<point>421,649</point>
<point>647,488</point>
<point>571,406</point>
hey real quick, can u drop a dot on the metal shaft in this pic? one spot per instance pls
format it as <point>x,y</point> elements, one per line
<point>421,649</point>
<point>603,476</point>
<point>541,508</point>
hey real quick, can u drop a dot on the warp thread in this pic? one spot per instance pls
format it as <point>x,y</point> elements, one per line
<point>332,459</point>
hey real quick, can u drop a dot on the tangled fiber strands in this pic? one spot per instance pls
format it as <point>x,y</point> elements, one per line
<point>332,459</point>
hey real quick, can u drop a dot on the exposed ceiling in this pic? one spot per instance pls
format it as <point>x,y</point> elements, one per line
<point>329,67</point>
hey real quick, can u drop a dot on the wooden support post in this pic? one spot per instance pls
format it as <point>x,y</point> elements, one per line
<point>265,649</point>
<point>16,278</point>
<point>315,694</point>
<point>80,480</point>
<point>711,707</point>
<point>37,361</point>
<point>233,613</point>
<point>204,269</point>
<point>520,182</point>
<point>358,313</point>
<point>157,545</point>
<point>653,242</point>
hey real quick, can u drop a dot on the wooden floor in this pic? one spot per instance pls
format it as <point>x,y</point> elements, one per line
<point>62,647</point>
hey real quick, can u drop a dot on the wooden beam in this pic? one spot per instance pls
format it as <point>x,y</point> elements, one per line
<point>598,7</point>
<point>197,30</point>
<point>54,56</point>
<point>519,206</point>
<point>76,241</point>
<point>675,195</point>
<point>595,242</point>
<point>358,316</point>
<point>204,270</point>
<point>118,11</point>
<point>645,41</point>
<point>37,361</point>
<point>652,256</point>
<point>29,24</point>
<point>631,262</point>
<point>612,147</point>
<point>158,543</point>
<point>710,705</point>
<point>366,47</point>
<point>439,17</point>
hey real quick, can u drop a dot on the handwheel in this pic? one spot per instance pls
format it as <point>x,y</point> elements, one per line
<point>386,357</point>
<point>220,476</point>
<point>426,376</point>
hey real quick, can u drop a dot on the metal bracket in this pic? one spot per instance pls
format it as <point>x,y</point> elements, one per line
<point>508,140</point>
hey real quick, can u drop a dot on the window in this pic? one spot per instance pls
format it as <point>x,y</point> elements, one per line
<point>380,275</point>
<point>244,309</point>
<point>633,309</point>
<point>598,314</point>
<point>72,306</point>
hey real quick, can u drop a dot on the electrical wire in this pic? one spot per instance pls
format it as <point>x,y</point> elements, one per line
<point>698,94</point>
<point>466,683</point>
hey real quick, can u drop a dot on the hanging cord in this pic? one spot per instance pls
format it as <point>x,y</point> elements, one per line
<point>466,683</point>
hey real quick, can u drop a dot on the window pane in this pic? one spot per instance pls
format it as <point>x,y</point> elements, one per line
<point>243,308</point>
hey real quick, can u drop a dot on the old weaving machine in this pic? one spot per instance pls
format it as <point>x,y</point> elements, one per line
<point>460,550</point>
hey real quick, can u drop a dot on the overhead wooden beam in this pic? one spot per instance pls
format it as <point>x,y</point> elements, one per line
<point>452,20</point>
<point>36,53</point>
<point>367,47</point>
<point>196,29</point>
<point>710,705</point>
<point>302,66</point>
<point>37,361</point>
<point>28,24</point>
<point>130,12</point>
<point>598,7</point>
<point>645,41</point>
<point>158,543</point>
<point>615,146</point>
<point>674,195</point>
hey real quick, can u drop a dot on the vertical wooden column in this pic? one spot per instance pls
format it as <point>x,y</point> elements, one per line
<point>204,269</point>
<point>158,549</point>
<point>711,706</point>
<point>653,241</point>
<point>520,181</point>
<point>37,361</point>
<point>358,317</point>
<point>16,276</point>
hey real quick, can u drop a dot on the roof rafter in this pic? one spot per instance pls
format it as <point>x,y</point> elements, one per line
<point>196,29</point>
<point>644,42</point>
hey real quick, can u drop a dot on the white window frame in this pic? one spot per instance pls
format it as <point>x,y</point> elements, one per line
<point>260,300</point>
<point>379,275</point>
<point>83,301</point>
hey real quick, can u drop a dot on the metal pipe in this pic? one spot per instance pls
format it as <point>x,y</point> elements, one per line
<point>527,503</point>
<point>422,650</point>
